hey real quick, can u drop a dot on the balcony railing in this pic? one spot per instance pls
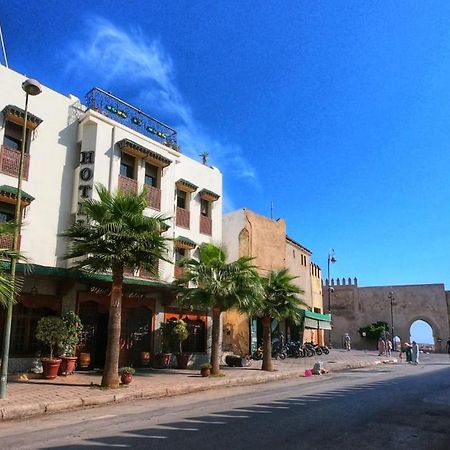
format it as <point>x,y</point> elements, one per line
<point>183,218</point>
<point>6,242</point>
<point>205,225</point>
<point>113,107</point>
<point>128,184</point>
<point>153,197</point>
<point>146,274</point>
<point>178,271</point>
<point>10,160</point>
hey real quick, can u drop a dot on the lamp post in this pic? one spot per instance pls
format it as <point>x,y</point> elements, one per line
<point>392,298</point>
<point>331,260</point>
<point>31,87</point>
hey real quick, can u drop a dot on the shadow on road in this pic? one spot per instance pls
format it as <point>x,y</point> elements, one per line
<point>312,420</point>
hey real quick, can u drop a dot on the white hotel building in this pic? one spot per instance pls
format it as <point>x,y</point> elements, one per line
<point>71,146</point>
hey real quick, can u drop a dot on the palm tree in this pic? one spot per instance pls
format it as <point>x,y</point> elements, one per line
<point>279,302</point>
<point>218,285</point>
<point>115,236</point>
<point>9,286</point>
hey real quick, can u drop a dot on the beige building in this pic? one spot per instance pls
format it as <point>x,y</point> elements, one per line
<point>246,233</point>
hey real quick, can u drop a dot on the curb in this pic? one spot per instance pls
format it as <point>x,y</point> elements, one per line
<point>27,410</point>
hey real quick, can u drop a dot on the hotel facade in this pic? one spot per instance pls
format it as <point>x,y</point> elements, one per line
<point>71,146</point>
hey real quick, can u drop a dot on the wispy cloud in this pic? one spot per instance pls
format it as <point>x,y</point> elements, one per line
<point>118,58</point>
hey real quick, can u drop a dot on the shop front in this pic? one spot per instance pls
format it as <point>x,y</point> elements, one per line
<point>136,328</point>
<point>313,325</point>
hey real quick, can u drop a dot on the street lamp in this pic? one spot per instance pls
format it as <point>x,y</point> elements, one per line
<point>31,87</point>
<point>392,298</point>
<point>332,260</point>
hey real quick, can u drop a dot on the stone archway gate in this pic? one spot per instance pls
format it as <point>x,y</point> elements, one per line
<point>354,307</point>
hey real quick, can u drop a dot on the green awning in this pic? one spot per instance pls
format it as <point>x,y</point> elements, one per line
<point>183,184</point>
<point>60,272</point>
<point>127,143</point>
<point>14,111</point>
<point>316,321</point>
<point>12,192</point>
<point>316,316</point>
<point>186,241</point>
<point>209,195</point>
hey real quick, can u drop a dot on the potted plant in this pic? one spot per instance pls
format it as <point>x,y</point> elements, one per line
<point>126,374</point>
<point>51,331</point>
<point>180,334</point>
<point>165,330</point>
<point>205,369</point>
<point>69,345</point>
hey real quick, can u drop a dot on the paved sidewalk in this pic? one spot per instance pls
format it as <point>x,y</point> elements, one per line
<point>38,396</point>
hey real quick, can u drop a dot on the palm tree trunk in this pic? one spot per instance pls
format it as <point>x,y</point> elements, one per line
<point>110,377</point>
<point>215,344</point>
<point>267,345</point>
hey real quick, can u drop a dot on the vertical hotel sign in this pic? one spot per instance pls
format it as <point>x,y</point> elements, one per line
<point>85,182</point>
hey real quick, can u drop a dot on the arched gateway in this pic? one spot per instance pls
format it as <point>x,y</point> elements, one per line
<point>354,307</point>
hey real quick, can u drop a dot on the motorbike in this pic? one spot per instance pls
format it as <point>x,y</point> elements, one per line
<point>277,352</point>
<point>293,349</point>
<point>325,349</point>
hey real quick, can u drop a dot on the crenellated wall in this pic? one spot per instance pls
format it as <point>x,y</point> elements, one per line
<point>354,307</point>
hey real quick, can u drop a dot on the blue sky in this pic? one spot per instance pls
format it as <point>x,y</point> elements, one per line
<point>337,112</point>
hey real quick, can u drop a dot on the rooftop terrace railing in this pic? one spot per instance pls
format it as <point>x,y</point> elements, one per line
<point>113,107</point>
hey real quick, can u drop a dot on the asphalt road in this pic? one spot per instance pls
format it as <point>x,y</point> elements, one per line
<point>387,407</point>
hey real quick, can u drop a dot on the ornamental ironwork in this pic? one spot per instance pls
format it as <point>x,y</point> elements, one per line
<point>113,107</point>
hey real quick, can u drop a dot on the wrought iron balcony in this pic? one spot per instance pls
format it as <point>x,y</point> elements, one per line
<point>9,162</point>
<point>205,225</point>
<point>113,107</point>
<point>6,242</point>
<point>182,217</point>
<point>128,185</point>
<point>153,197</point>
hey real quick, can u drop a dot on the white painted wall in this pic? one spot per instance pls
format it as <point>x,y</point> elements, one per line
<point>52,161</point>
<point>53,179</point>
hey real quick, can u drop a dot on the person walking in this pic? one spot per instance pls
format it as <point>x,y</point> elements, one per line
<point>415,353</point>
<point>381,346</point>
<point>388,347</point>
<point>347,342</point>
<point>448,347</point>
<point>408,352</point>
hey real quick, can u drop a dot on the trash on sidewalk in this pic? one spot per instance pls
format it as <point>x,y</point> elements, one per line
<point>318,368</point>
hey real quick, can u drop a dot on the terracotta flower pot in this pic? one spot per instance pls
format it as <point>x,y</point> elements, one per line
<point>67,366</point>
<point>85,360</point>
<point>126,378</point>
<point>183,360</point>
<point>205,371</point>
<point>163,360</point>
<point>50,367</point>
<point>145,359</point>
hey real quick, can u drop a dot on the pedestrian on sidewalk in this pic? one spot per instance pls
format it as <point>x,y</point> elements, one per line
<point>381,347</point>
<point>415,353</point>
<point>347,342</point>
<point>408,352</point>
<point>448,347</point>
<point>388,348</point>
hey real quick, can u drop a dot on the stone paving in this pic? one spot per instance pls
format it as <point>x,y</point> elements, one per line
<point>38,396</point>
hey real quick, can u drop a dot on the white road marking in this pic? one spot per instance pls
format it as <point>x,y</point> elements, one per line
<point>107,416</point>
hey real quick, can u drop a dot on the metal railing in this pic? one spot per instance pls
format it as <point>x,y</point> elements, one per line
<point>113,107</point>
<point>205,225</point>
<point>128,184</point>
<point>9,162</point>
<point>153,197</point>
<point>183,218</point>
